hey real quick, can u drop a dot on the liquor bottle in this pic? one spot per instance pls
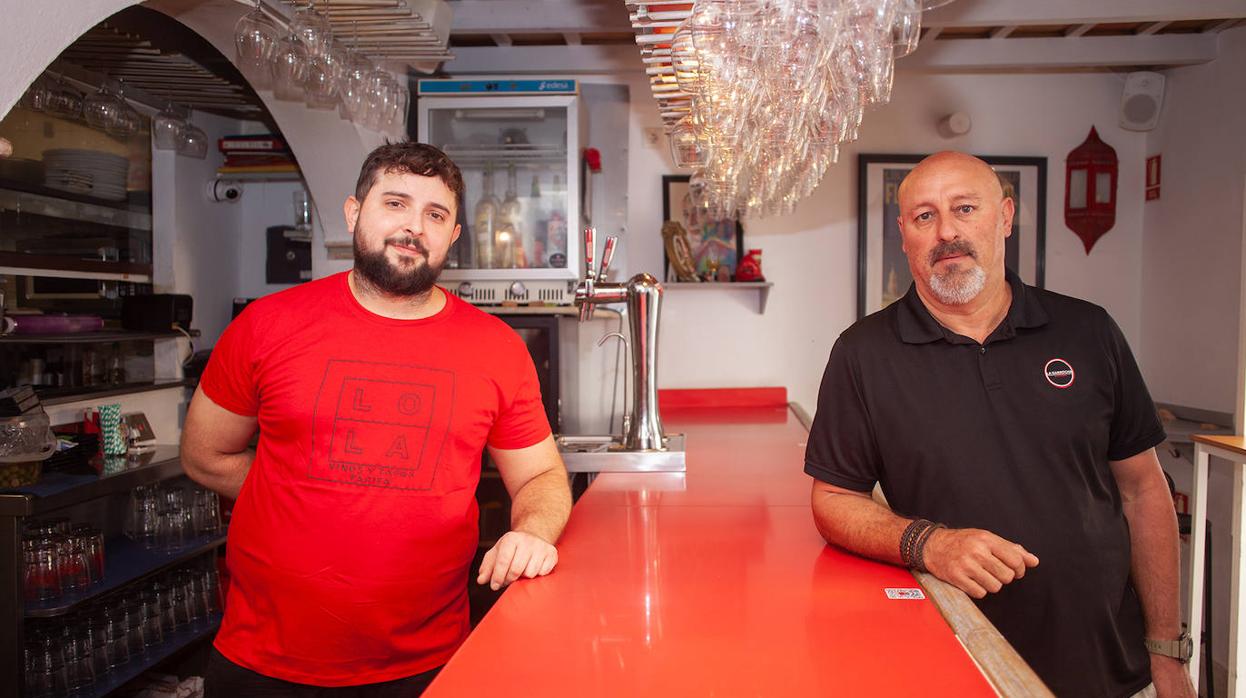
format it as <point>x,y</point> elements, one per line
<point>508,226</point>
<point>540,230</point>
<point>556,227</point>
<point>485,222</point>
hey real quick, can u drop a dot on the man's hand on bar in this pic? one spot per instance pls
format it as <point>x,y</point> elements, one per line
<point>516,554</point>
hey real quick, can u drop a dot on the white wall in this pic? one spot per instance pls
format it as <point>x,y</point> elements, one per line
<point>1194,231</point>
<point>196,240</point>
<point>718,339</point>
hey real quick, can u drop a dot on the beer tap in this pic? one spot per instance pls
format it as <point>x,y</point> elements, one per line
<point>643,295</point>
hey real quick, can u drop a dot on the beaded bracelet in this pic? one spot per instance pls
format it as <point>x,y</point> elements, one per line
<point>921,546</point>
<point>913,542</point>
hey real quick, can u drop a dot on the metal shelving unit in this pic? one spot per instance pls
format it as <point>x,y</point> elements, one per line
<point>126,562</point>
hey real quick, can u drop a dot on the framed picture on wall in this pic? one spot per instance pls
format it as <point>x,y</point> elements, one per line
<point>714,243</point>
<point>883,275</point>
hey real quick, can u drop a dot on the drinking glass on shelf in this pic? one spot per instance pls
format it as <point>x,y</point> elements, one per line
<point>75,566</point>
<point>206,509</point>
<point>79,657</point>
<point>112,632</point>
<point>153,622</point>
<point>171,529</point>
<point>130,616</point>
<point>42,576</point>
<point>211,589</point>
<point>92,541</point>
<point>45,667</point>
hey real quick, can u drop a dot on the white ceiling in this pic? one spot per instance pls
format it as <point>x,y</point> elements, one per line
<point>581,36</point>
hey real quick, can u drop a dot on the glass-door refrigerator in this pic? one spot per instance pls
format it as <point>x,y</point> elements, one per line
<point>517,142</point>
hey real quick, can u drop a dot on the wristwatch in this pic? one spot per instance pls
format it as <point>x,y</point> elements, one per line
<point>1180,649</point>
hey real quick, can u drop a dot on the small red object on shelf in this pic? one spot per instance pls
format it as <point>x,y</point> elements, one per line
<point>749,268</point>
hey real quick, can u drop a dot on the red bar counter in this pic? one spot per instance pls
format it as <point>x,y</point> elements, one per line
<point>712,582</point>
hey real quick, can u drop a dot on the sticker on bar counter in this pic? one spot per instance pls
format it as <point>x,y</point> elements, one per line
<point>896,593</point>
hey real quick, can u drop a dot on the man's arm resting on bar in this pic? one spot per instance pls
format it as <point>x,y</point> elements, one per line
<point>975,561</point>
<point>536,479</point>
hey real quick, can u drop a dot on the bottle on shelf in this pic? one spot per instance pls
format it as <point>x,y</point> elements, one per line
<point>556,226</point>
<point>540,230</point>
<point>116,366</point>
<point>509,250</point>
<point>484,226</point>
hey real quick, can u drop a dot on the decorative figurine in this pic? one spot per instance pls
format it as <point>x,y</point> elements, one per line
<point>679,252</point>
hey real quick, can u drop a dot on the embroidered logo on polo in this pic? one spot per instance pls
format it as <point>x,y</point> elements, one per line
<point>380,425</point>
<point>1059,373</point>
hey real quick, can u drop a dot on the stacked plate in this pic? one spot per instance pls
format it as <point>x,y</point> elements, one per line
<point>89,172</point>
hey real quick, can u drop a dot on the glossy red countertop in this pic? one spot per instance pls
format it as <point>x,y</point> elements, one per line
<point>710,583</point>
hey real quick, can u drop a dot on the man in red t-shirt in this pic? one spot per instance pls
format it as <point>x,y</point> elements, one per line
<point>374,393</point>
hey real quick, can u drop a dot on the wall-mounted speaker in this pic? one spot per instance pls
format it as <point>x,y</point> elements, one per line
<point>1141,100</point>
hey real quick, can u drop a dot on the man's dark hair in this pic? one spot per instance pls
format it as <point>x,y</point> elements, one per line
<point>409,157</point>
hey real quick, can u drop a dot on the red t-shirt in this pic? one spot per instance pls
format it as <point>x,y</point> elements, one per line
<point>351,539</point>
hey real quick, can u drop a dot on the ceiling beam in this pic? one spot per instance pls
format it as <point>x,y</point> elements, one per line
<point>1152,28</point>
<point>953,55</point>
<point>1003,32</point>
<point>537,17</point>
<point>1079,30</point>
<point>998,13</point>
<point>965,55</point>
<point>556,60</point>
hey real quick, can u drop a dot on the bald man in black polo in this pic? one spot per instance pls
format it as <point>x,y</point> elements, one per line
<point>1006,425</point>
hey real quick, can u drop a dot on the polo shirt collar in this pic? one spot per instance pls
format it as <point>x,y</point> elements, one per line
<point>918,326</point>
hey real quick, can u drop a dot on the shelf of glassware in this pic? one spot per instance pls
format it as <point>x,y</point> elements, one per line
<point>125,562</point>
<point>761,287</point>
<point>174,642</point>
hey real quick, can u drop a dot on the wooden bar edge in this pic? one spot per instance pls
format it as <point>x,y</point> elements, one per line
<point>1007,671</point>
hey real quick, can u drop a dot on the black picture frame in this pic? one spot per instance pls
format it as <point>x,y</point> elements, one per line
<point>674,188</point>
<point>878,174</point>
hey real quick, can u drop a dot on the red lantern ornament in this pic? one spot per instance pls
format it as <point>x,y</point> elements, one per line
<point>1090,189</point>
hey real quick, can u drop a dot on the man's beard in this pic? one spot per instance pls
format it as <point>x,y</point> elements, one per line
<point>379,272</point>
<point>958,285</point>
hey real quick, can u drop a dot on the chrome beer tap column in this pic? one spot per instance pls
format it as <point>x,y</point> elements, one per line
<point>643,295</point>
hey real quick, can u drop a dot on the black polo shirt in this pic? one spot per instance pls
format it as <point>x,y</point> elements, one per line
<point>1012,436</point>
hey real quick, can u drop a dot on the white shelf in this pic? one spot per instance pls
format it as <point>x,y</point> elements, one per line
<point>762,288</point>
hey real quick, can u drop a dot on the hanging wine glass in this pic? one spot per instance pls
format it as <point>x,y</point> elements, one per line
<point>64,101</point>
<point>290,64</point>
<point>255,42</point>
<point>353,87</point>
<point>102,109</point>
<point>377,97</point>
<point>192,142</point>
<point>313,29</point>
<point>36,96</point>
<point>127,121</point>
<point>167,127</point>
